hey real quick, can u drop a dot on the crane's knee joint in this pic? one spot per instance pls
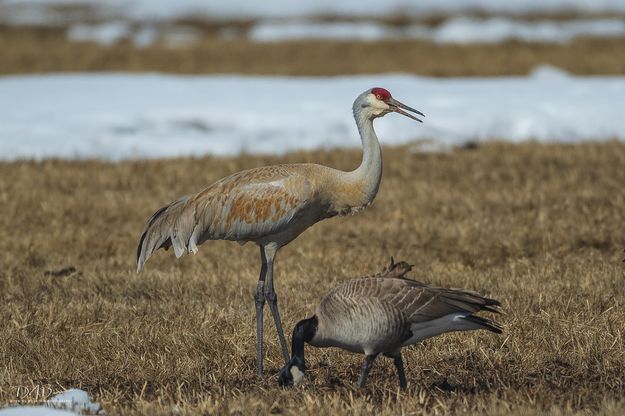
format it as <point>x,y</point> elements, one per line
<point>271,297</point>
<point>259,296</point>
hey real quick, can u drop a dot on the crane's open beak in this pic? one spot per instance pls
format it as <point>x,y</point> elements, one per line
<point>396,106</point>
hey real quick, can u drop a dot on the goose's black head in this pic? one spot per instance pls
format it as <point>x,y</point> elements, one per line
<point>293,372</point>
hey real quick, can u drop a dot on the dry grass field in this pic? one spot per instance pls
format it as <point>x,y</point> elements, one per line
<point>39,50</point>
<point>539,227</point>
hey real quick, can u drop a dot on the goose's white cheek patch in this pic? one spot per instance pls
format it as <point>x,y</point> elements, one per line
<point>297,375</point>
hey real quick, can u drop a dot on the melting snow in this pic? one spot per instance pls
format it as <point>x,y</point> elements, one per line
<point>67,403</point>
<point>455,30</point>
<point>121,116</point>
<point>29,11</point>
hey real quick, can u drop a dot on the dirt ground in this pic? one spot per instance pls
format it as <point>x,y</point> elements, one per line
<point>539,227</point>
<point>38,50</point>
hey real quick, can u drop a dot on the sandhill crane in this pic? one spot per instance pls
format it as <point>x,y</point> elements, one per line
<point>380,315</point>
<point>272,205</point>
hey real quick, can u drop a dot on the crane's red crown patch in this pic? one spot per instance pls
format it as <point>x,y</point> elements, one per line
<point>381,93</point>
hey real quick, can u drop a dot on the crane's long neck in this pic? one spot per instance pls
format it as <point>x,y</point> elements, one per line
<point>369,174</point>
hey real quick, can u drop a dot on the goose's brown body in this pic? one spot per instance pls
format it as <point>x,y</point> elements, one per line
<point>381,314</point>
<point>378,315</point>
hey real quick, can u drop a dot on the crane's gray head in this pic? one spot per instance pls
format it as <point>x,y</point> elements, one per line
<point>378,102</point>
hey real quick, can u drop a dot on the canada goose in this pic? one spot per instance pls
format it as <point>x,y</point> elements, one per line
<point>380,314</point>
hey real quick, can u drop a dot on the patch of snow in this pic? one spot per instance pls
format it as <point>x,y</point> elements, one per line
<point>167,9</point>
<point>467,30</point>
<point>69,402</point>
<point>122,116</point>
<point>76,400</point>
<point>455,30</point>
<point>145,36</point>
<point>112,32</point>
<point>34,411</point>
<point>279,31</point>
<point>548,73</point>
<point>105,33</point>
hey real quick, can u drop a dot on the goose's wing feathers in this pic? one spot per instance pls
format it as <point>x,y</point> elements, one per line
<point>417,302</point>
<point>241,207</point>
<point>429,303</point>
<point>382,314</point>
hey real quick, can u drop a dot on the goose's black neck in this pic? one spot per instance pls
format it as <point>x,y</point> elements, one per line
<point>303,332</point>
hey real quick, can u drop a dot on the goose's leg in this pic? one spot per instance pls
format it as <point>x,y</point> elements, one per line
<point>272,299</point>
<point>366,366</point>
<point>259,300</point>
<point>399,364</point>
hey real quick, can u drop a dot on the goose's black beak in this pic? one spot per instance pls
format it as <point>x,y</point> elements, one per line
<point>284,378</point>
<point>397,107</point>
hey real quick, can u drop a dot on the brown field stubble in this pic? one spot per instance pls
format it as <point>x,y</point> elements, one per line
<point>539,227</point>
<point>40,50</point>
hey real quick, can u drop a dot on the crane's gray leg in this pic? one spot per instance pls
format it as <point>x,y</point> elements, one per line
<point>399,364</point>
<point>259,300</point>
<point>272,299</point>
<point>366,366</point>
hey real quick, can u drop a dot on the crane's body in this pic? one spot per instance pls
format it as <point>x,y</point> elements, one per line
<point>267,205</point>
<point>272,205</point>
<point>381,315</point>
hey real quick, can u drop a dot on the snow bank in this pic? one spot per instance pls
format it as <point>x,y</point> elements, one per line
<point>455,30</point>
<point>103,33</point>
<point>111,32</point>
<point>467,30</point>
<point>167,9</point>
<point>107,21</point>
<point>120,116</point>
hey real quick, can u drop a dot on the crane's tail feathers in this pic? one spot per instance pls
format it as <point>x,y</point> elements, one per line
<point>483,323</point>
<point>166,228</point>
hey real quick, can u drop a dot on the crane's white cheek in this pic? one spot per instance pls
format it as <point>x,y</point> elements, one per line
<point>297,375</point>
<point>379,108</point>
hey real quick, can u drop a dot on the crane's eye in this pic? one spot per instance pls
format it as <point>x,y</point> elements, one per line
<point>378,96</point>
